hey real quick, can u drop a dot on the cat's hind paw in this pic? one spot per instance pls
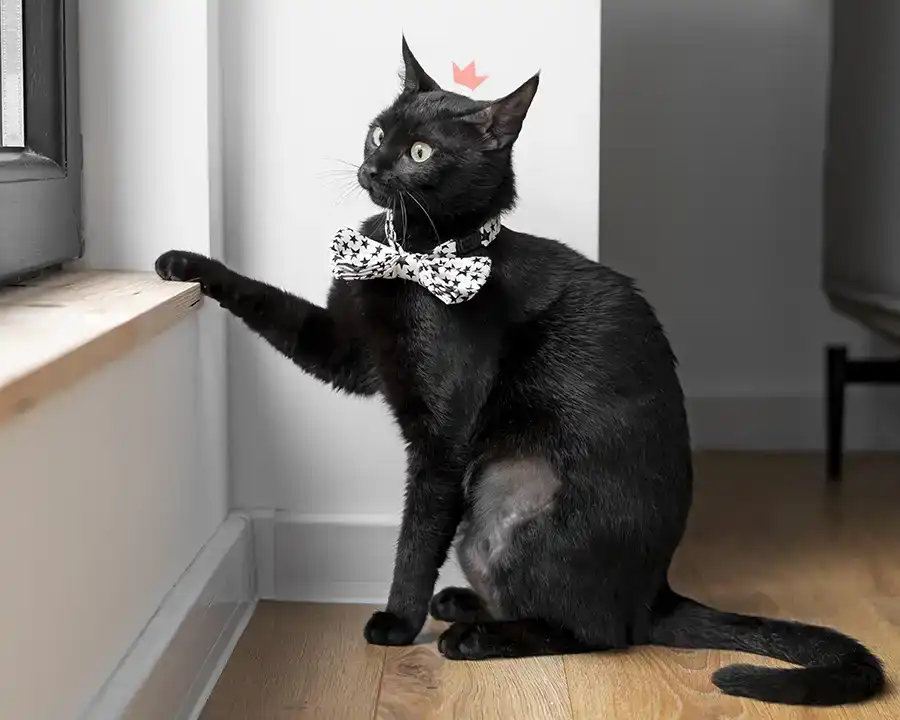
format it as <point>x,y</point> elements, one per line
<point>454,604</point>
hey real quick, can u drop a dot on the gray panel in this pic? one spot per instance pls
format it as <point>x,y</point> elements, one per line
<point>862,183</point>
<point>40,189</point>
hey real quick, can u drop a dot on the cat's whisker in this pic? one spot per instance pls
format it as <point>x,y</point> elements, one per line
<point>347,190</point>
<point>344,176</point>
<point>384,217</point>
<point>405,221</point>
<point>345,162</point>
<point>335,178</point>
<point>342,187</point>
<point>433,226</point>
<point>338,171</point>
<point>344,196</point>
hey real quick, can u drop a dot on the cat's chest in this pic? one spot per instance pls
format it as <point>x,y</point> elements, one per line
<point>433,359</point>
<point>411,332</point>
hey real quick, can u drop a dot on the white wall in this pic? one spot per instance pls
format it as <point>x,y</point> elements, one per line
<point>301,83</point>
<point>713,127</point>
<point>102,507</point>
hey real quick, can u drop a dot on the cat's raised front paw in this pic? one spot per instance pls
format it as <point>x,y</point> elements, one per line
<point>385,628</point>
<point>183,266</point>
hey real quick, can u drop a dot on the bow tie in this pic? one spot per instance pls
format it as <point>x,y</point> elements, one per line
<point>450,278</point>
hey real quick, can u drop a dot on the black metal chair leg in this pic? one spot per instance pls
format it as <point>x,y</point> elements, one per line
<point>836,382</point>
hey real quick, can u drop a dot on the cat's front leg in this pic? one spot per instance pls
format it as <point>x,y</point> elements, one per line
<point>315,338</point>
<point>434,503</point>
<point>232,291</point>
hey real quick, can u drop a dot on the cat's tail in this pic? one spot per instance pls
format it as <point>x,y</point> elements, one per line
<point>835,668</point>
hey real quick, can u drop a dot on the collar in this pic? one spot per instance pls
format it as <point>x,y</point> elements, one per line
<point>482,237</point>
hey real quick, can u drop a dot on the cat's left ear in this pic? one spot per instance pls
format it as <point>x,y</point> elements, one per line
<point>501,121</point>
<point>415,79</point>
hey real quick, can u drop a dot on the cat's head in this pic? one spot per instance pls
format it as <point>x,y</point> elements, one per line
<point>437,151</point>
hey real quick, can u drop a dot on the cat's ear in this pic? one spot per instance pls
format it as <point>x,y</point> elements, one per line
<point>501,121</point>
<point>415,79</point>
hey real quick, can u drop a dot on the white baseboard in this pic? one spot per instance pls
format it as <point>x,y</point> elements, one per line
<point>174,664</point>
<point>216,662</point>
<point>794,423</point>
<point>333,558</point>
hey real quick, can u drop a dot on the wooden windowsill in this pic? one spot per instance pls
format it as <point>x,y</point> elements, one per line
<point>56,330</point>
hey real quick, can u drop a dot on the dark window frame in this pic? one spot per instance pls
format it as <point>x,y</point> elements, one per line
<point>40,184</point>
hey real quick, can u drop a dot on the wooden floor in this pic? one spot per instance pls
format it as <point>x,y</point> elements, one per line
<point>766,536</point>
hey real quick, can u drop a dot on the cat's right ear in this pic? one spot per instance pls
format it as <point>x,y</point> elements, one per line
<point>415,79</point>
<point>501,121</point>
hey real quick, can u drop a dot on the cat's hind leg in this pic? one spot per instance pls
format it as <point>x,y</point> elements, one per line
<point>508,639</point>
<point>454,604</point>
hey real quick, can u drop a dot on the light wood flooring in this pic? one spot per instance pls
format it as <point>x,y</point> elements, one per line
<point>767,536</point>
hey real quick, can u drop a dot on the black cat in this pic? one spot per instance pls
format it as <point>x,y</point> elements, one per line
<point>543,417</point>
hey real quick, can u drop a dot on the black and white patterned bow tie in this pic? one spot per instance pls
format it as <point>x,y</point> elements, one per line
<point>450,278</point>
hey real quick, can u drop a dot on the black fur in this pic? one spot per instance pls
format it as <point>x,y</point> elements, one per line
<point>460,605</point>
<point>544,422</point>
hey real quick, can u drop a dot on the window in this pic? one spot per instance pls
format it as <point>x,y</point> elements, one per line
<point>40,139</point>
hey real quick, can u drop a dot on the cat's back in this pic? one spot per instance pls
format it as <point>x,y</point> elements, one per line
<point>546,275</point>
<point>581,322</point>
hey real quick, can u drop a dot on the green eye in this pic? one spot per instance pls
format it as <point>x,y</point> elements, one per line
<point>377,136</point>
<point>420,152</point>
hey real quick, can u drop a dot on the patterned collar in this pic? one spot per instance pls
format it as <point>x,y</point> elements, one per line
<point>482,237</point>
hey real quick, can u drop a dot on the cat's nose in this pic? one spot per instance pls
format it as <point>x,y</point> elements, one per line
<point>367,173</point>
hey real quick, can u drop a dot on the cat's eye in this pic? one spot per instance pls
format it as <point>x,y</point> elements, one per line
<point>377,136</point>
<point>420,152</point>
